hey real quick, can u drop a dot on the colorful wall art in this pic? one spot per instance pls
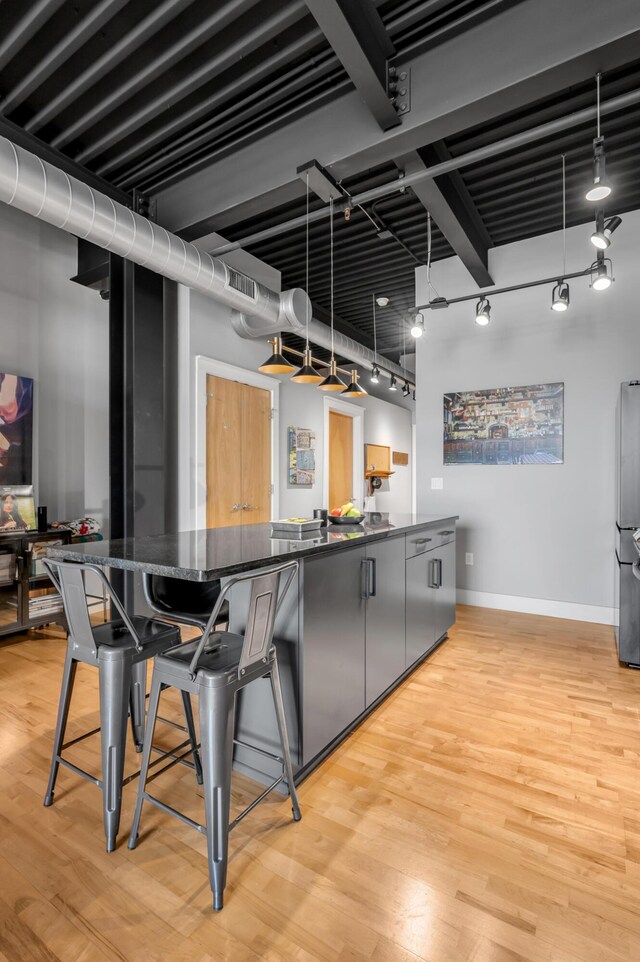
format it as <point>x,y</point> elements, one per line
<point>510,425</point>
<point>302,457</point>
<point>16,429</point>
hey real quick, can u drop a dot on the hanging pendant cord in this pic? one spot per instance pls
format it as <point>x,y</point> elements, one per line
<point>307,261</point>
<point>430,286</point>
<point>375,342</point>
<point>598,102</point>
<point>331,238</point>
<point>564,217</point>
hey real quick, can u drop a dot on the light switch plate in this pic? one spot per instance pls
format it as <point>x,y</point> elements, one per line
<point>436,484</point>
<point>468,558</point>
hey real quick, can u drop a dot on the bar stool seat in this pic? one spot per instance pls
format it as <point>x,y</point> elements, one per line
<point>120,650</point>
<point>217,667</point>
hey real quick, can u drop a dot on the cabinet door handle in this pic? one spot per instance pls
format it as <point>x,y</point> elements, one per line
<point>373,580</point>
<point>439,564</point>
<point>431,577</point>
<point>364,579</point>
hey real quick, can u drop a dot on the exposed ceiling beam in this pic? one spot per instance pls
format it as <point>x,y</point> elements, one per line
<point>28,25</point>
<point>449,95</point>
<point>359,40</point>
<point>449,203</point>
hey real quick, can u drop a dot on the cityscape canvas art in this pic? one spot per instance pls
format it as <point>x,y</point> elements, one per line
<point>510,425</point>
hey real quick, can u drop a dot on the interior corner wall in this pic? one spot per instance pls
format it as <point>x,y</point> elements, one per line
<point>204,328</point>
<point>57,333</point>
<point>542,536</point>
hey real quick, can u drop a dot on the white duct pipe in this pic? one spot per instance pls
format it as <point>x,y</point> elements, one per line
<point>40,189</point>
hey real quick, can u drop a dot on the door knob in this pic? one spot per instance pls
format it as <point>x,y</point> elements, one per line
<point>236,507</point>
<point>248,507</point>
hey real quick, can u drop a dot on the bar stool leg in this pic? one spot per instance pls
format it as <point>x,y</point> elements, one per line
<point>217,718</point>
<point>154,700</point>
<point>137,702</point>
<point>68,679</point>
<point>276,688</point>
<point>115,684</point>
<point>191,728</point>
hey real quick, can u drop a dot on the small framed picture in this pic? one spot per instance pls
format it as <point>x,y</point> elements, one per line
<point>17,508</point>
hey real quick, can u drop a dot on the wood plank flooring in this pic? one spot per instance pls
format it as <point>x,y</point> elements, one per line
<point>489,811</point>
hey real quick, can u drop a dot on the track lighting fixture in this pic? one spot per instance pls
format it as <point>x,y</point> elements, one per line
<point>354,389</point>
<point>600,188</point>
<point>414,394</point>
<point>382,301</point>
<point>417,326</point>
<point>601,274</point>
<point>601,237</point>
<point>560,297</point>
<point>483,312</point>
<point>406,390</point>
<point>393,383</point>
<point>277,363</point>
<point>375,374</point>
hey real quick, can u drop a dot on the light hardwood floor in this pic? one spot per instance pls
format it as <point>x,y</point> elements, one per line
<point>488,811</point>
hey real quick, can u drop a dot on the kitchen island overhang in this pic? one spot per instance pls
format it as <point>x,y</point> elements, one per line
<point>371,602</point>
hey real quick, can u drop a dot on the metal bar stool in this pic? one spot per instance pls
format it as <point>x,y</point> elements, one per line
<point>216,668</point>
<point>119,649</point>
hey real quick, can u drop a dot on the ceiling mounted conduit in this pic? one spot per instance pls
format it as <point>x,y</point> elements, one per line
<point>48,193</point>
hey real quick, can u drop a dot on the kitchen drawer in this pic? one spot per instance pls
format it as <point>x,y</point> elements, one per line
<point>420,542</point>
<point>443,535</point>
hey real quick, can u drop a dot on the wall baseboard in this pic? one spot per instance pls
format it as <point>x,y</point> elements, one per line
<point>596,614</point>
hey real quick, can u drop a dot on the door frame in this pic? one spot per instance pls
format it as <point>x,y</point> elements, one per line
<point>357,414</point>
<point>204,367</point>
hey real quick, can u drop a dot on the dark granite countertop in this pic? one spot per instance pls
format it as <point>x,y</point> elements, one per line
<point>219,552</point>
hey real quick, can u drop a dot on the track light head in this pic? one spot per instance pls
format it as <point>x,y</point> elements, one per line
<point>414,394</point>
<point>375,374</point>
<point>602,238</point>
<point>600,188</point>
<point>601,274</point>
<point>393,383</point>
<point>560,297</point>
<point>406,390</point>
<point>483,312</point>
<point>417,326</point>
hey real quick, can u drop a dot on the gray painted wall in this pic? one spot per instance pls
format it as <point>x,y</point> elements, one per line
<point>536,531</point>
<point>57,333</point>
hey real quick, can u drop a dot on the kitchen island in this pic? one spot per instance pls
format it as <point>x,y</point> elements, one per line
<point>370,602</point>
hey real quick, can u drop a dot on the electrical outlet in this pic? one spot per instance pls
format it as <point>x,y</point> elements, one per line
<point>436,484</point>
<point>468,558</point>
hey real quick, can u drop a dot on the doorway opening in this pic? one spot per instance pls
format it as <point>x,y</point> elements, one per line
<point>236,446</point>
<point>344,454</point>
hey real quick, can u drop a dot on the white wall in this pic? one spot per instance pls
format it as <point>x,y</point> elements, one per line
<point>57,333</point>
<point>542,536</point>
<point>204,328</point>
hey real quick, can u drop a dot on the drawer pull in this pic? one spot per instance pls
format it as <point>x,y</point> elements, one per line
<point>446,532</point>
<point>422,540</point>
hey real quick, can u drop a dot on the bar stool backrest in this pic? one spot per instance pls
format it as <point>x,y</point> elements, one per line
<point>69,580</point>
<point>258,634</point>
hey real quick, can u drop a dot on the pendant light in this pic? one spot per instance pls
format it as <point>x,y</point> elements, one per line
<point>332,382</point>
<point>600,188</point>
<point>307,374</point>
<point>483,312</point>
<point>375,370</point>
<point>601,237</point>
<point>560,293</point>
<point>354,389</point>
<point>277,363</point>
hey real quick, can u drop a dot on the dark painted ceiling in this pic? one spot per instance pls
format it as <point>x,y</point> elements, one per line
<point>139,93</point>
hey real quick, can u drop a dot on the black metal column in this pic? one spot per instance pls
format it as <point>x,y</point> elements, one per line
<point>137,435</point>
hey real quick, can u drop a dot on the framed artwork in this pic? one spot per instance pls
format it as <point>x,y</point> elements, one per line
<point>16,429</point>
<point>509,425</point>
<point>17,508</point>
<point>302,457</point>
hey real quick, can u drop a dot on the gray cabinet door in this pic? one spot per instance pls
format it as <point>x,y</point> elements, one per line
<point>444,596</point>
<point>333,649</point>
<point>385,616</point>
<point>420,616</point>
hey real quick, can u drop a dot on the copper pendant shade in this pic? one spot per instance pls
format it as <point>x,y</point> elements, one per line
<point>277,363</point>
<point>332,382</point>
<point>306,373</point>
<point>355,389</point>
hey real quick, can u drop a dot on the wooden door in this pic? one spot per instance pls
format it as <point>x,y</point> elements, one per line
<point>340,459</point>
<point>238,459</point>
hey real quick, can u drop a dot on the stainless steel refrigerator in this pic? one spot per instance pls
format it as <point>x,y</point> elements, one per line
<point>628,519</point>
